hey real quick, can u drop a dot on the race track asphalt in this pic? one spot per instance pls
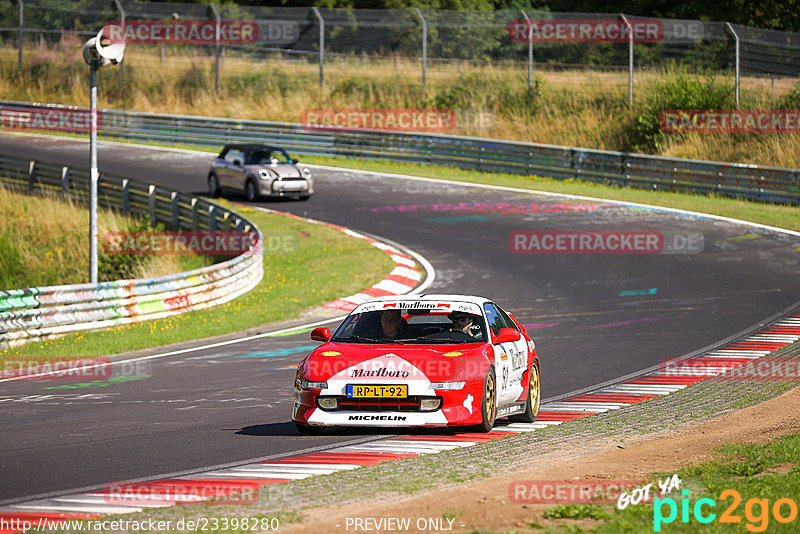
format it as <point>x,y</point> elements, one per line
<point>594,317</point>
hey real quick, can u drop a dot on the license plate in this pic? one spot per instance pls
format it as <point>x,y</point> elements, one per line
<point>399,391</point>
<point>293,187</point>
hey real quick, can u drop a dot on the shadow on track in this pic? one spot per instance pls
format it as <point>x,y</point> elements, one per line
<point>288,429</point>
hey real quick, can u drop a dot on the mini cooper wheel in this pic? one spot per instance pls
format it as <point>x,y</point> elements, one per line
<point>489,402</point>
<point>250,191</point>
<point>308,430</point>
<point>213,186</point>
<point>534,397</point>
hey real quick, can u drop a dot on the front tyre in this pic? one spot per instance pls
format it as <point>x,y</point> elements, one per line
<point>534,398</point>
<point>213,186</point>
<point>489,402</point>
<point>250,192</point>
<point>308,430</point>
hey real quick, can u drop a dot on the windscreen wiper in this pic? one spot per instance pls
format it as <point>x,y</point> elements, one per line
<point>366,339</point>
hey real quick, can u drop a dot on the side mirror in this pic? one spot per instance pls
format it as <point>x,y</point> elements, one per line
<point>321,333</point>
<point>507,335</point>
<point>237,162</point>
<point>294,161</point>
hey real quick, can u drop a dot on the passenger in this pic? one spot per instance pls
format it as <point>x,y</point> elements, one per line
<point>393,325</point>
<point>461,321</point>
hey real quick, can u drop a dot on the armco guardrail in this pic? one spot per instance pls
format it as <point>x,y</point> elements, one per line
<point>42,312</point>
<point>770,184</point>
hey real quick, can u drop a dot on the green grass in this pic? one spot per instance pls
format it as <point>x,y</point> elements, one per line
<point>318,265</point>
<point>575,511</point>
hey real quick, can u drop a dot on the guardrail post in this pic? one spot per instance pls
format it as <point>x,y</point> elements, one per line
<point>212,218</point>
<point>195,208</point>
<point>321,46</point>
<point>151,200</point>
<point>736,37</point>
<point>630,58</point>
<point>239,224</point>
<point>530,52</point>
<point>175,215</point>
<point>126,195</point>
<point>424,46</point>
<point>31,175</point>
<point>65,182</point>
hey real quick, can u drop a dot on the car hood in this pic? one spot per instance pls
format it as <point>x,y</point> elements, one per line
<point>281,170</point>
<point>390,362</point>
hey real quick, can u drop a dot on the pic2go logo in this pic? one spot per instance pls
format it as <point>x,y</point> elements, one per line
<point>756,511</point>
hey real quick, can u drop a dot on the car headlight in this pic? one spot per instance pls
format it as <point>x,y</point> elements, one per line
<point>306,172</point>
<point>328,403</point>
<point>430,404</point>
<point>305,384</point>
<point>447,385</point>
<point>263,174</point>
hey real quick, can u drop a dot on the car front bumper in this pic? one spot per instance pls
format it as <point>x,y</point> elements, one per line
<point>459,408</point>
<point>279,188</point>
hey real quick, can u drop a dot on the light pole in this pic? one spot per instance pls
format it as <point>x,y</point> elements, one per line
<point>97,52</point>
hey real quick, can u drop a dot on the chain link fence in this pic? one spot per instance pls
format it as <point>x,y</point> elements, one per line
<point>428,42</point>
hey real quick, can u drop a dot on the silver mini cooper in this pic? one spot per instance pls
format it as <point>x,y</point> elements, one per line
<point>258,171</point>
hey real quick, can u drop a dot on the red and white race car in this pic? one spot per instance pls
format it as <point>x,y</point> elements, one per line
<point>430,360</point>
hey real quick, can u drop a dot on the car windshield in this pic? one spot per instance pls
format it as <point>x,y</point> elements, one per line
<point>419,327</point>
<point>265,157</point>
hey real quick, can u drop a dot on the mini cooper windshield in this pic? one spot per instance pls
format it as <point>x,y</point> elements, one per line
<point>409,327</point>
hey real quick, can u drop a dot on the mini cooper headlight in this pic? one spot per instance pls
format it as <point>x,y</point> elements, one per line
<point>306,172</point>
<point>263,174</point>
<point>447,385</point>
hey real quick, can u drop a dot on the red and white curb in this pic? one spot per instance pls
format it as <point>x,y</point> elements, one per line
<point>251,477</point>
<point>406,275</point>
<point>403,278</point>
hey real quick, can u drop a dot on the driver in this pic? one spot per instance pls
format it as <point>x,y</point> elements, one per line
<point>392,324</point>
<point>461,321</point>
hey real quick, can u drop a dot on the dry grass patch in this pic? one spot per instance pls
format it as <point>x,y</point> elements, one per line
<point>45,241</point>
